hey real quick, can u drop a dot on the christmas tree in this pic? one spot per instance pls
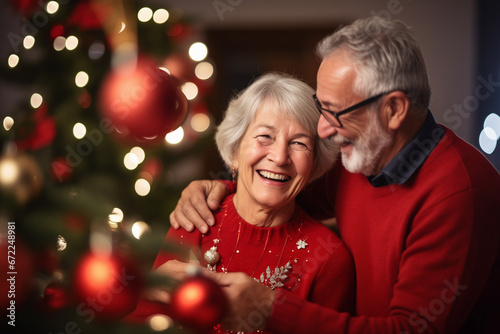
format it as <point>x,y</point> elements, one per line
<point>113,105</point>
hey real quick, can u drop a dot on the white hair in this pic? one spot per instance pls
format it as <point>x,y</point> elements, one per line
<point>293,99</point>
<point>386,56</point>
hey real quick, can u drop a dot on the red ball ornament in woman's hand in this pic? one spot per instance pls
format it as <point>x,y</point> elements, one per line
<point>143,102</point>
<point>198,303</point>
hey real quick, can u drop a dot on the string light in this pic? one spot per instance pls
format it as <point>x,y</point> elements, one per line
<point>8,122</point>
<point>61,243</point>
<point>135,157</point>
<point>145,14</point>
<point>115,218</point>
<point>52,7</point>
<point>200,122</point>
<point>176,136</point>
<point>160,16</point>
<point>71,42</point>
<point>81,79</point>
<point>160,322</point>
<point>140,228</point>
<point>190,90</point>
<point>139,153</point>
<point>36,100</point>
<point>59,43</point>
<point>142,187</point>
<point>204,70</point>
<point>13,60</point>
<point>130,161</point>
<point>79,130</point>
<point>28,42</point>
<point>9,172</point>
<point>198,51</point>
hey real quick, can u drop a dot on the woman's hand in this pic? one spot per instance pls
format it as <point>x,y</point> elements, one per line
<point>250,302</point>
<point>196,204</point>
<point>176,270</point>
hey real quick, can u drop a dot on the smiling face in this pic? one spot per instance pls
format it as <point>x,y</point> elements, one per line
<point>274,161</point>
<point>363,138</point>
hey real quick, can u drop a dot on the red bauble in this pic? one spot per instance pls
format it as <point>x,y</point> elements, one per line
<point>56,296</point>
<point>143,102</point>
<point>109,285</point>
<point>198,303</point>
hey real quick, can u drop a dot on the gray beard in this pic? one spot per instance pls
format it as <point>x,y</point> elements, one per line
<point>367,149</point>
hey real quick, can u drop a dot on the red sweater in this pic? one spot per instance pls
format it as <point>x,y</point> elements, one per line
<point>426,252</point>
<point>318,260</point>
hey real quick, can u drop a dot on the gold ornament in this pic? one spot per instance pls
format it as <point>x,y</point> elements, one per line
<point>20,177</point>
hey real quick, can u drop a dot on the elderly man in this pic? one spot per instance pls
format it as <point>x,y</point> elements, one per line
<point>417,206</point>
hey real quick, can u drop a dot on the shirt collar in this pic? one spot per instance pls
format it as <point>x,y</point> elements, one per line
<point>412,156</point>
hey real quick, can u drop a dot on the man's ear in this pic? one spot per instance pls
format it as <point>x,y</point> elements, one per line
<point>396,108</point>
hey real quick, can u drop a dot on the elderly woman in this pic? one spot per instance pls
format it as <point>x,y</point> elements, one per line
<point>269,140</point>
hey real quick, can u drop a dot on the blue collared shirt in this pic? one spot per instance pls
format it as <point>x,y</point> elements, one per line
<point>412,156</point>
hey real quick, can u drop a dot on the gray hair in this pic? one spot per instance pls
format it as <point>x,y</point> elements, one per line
<point>293,99</point>
<point>387,57</point>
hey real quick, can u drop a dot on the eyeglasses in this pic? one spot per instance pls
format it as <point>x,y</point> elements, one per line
<point>333,117</point>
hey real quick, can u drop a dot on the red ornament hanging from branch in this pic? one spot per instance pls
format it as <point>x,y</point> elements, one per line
<point>109,285</point>
<point>198,303</point>
<point>143,102</point>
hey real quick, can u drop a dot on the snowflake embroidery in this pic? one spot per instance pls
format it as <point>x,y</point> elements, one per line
<point>302,244</point>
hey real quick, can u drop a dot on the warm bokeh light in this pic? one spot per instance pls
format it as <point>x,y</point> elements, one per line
<point>81,79</point>
<point>8,122</point>
<point>59,43</point>
<point>61,243</point>
<point>198,51</point>
<point>160,322</point>
<point>160,16</point>
<point>115,217</point>
<point>79,130</point>
<point>142,187</point>
<point>139,229</point>
<point>190,90</point>
<point>13,60</point>
<point>36,100</point>
<point>52,7</point>
<point>200,122</point>
<point>9,172</point>
<point>176,136</point>
<point>139,153</point>
<point>130,161</point>
<point>144,14</point>
<point>28,42</point>
<point>204,70</point>
<point>71,42</point>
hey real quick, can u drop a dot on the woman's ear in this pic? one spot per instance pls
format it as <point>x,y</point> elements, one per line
<point>396,109</point>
